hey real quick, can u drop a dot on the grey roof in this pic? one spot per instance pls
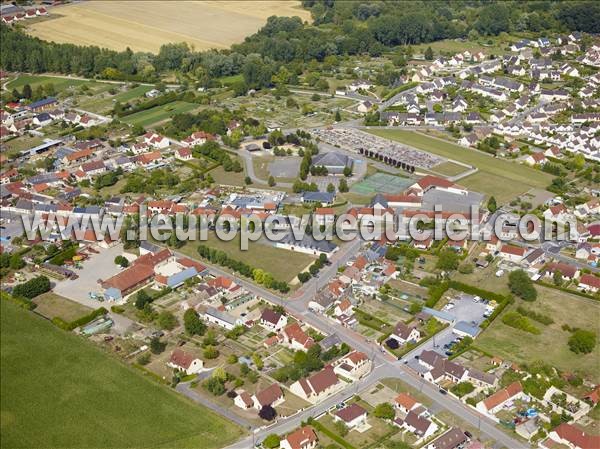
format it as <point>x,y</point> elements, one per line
<point>308,241</point>
<point>331,159</point>
<point>451,202</point>
<point>330,341</point>
<point>467,328</point>
<point>322,197</point>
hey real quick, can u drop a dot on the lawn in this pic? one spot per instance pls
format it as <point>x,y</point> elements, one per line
<point>104,102</point>
<point>159,113</point>
<point>551,344</point>
<point>60,391</point>
<point>284,265</point>
<point>449,169</point>
<point>52,305</point>
<point>498,177</point>
<point>60,83</point>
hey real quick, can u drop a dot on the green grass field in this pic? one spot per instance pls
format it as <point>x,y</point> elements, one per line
<point>449,169</point>
<point>59,391</point>
<point>551,344</point>
<point>105,101</point>
<point>284,265</point>
<point>60,84</point>
<point>498,177</point>
<point>159,113</point>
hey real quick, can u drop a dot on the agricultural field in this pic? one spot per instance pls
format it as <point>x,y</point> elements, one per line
<point>60,83</point>
<point>551,344</point>
<point>55,385</point>
<point>142,26</point>
<point>497,177</point>
<point>158,114</point>
<point>284,265</point>
<point>491,46</point>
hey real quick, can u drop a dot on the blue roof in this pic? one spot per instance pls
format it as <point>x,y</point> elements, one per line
<point>44,102</point>
<point>439,314</point>
<point>112,293</point>
<point>182,276</point>
<point>467,328</point>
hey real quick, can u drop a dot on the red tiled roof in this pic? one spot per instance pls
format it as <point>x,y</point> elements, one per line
<point>181,358</point>
<point>503,395</point>
<point>350,413</point>
<point>577,437</point>
<point>269,395</point>
<point>302,438</point>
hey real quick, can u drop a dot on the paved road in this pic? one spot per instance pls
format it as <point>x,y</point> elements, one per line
<point>187,390</point>
<point>385,366</point>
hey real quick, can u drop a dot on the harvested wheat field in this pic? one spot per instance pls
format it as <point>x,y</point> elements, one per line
<point>146,25</point>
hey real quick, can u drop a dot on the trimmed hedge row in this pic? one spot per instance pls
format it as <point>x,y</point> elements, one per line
<point>69,326</point>
<point>20,301</point>
<point>335,437</point>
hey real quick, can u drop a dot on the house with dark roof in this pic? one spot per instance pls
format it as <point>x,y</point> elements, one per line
<point>323,198</point>
<point>317,386</point>
<point>185,362</point>
<point>352,416</point>
<point>270,396</point>
<point>271,320</point>
<point>450,440</point>
<point>404,333</point>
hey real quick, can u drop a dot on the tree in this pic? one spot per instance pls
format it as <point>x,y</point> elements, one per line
<point>341,428</point>
<point>157,346</point>
<point>32,287</point>
<point>166,320</point>
<point>557,278</point>
<point>521,285</point>
<point>247,180</point>
<point>392,343</point>
<point>343,186</point>
<point>338,117</point>
<point>271,441</point>
<point>27,92</point>
<point>141,299</point>
<point>347,171</point>
<point>330,188</point>
<point>210,352</point>
<point>429,54</point>
<point>384,411</point>
<point>16,262</point>
<point>491,204</point>
<point>448,260</point>
<point>267,413</point>
<point>121,261</point>
<point>582,341</point>
<point>271,181</point>
<point>192,323</point>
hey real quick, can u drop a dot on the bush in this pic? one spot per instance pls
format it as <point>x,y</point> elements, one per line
<point>462,389</point>
<point>540,318</point>
<point>271,441</point>
<point>144,359</point>
<point>518,321</point>
<point>384,411</point>
<point>33,287</point>
<point>210,352</point>
<point>582,341</point>
<point>121,261</point>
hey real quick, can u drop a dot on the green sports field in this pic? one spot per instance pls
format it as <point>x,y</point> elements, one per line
<point>159,113</point>
<point>498,177</point>
<point>59,391</point>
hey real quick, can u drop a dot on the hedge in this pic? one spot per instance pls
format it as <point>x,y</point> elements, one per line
<point>335,437</point>
<point>435,293</point>
<point>20,301</point>
<point>567,290</point>
<point>69,326</point>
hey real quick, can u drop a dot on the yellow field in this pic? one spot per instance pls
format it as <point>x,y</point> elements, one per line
<point>146,25</point>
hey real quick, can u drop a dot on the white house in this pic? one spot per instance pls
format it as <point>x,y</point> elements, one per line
<point>353,366</point>
<point>273,321</point>
<point>185,362</point>
<point>318,386</point>
<point>352,416</point>
<point>270,396</point>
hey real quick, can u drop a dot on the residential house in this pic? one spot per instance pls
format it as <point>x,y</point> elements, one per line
<point>452,439</point>
<point>353,366</point>
<point>271,320</point>
<point>404,333</point>
<point>589,283</point>
<point>496,402</point>
<point>243,400</point>
<point>405,402</point>
<point>270,396</point>
<point>185,362</point>
<point>352,416</point>
<point>317,386</point>
<point>303,438</point>
<point>296,338</point>
<point>572,437</point>
<point>512,253</point>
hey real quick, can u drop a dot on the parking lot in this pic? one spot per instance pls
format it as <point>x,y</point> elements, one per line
<point>465,309</point>
<point>98,266</point>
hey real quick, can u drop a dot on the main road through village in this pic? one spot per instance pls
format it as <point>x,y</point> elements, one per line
<point>384,365</point>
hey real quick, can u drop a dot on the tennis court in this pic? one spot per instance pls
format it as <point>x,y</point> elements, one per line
<point>381,183</point>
